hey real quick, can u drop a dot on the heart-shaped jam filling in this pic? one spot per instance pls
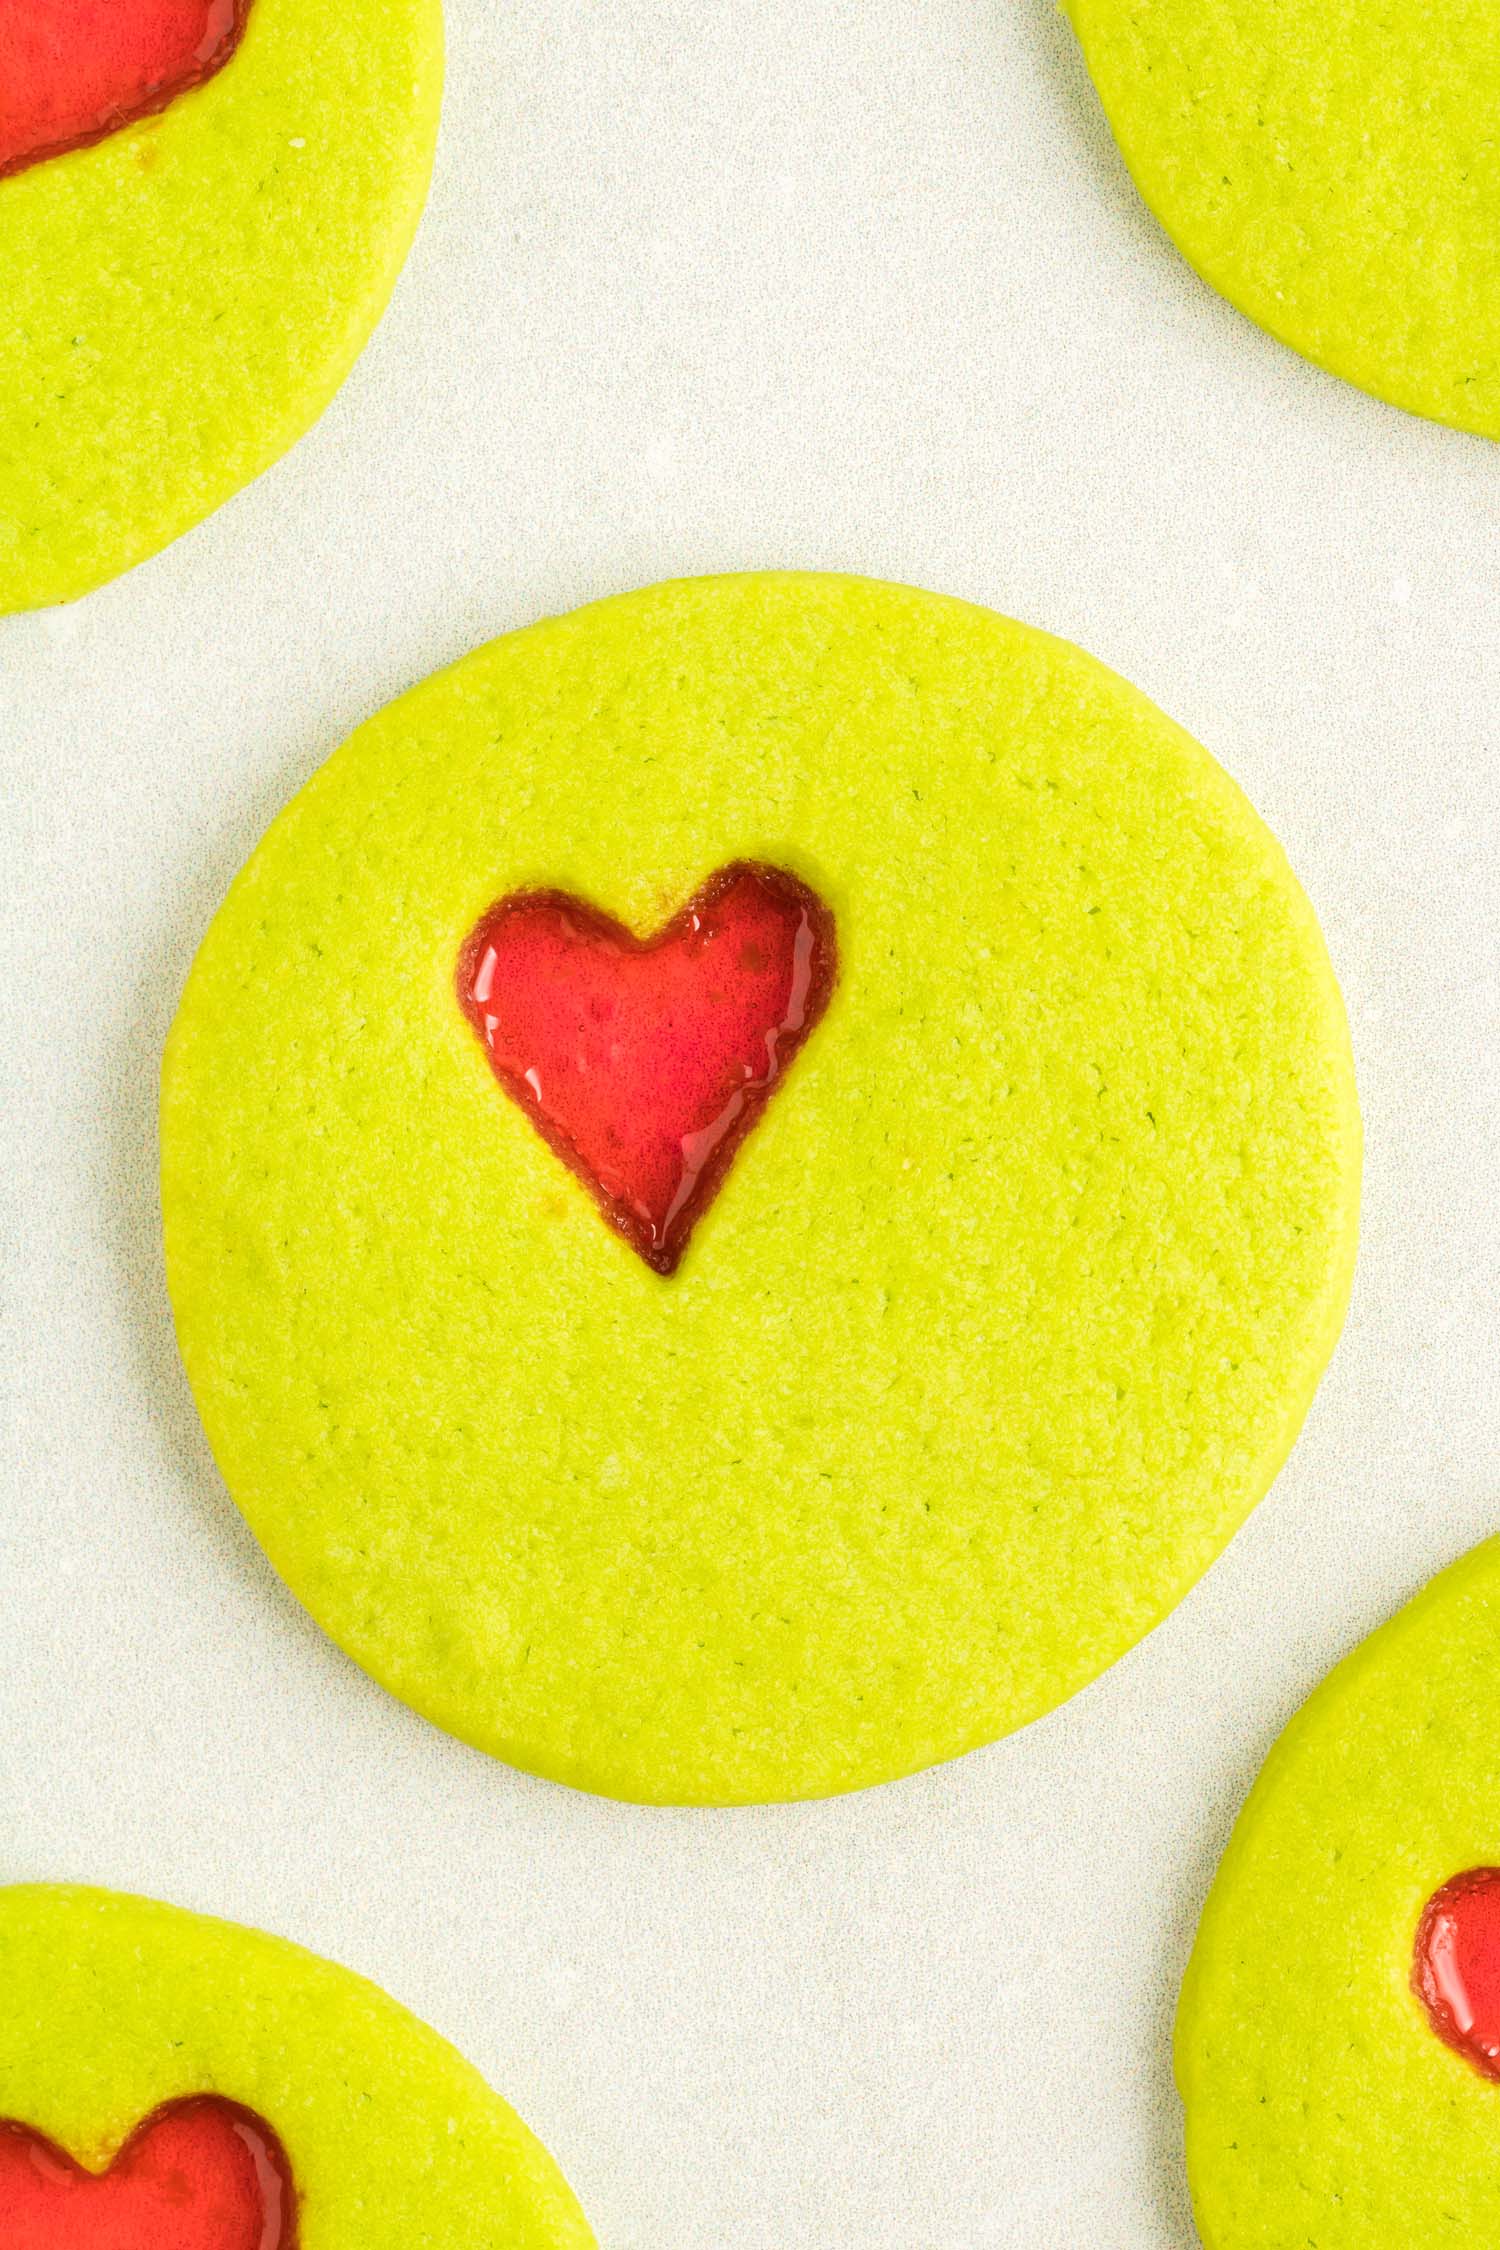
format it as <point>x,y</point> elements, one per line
<point>1457,1966</point>
<point>200,2174</point>
<point>73,71</point>
<point>644,1063</point>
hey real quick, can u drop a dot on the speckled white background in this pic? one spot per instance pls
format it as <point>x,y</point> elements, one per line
<point>842,283</point>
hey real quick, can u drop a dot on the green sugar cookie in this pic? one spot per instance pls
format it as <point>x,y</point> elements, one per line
<point>1329,167</point>
<point>183,297</point>
<point>1004,1312</point>
<point>367,2131</point>
<point>1326,2103</point>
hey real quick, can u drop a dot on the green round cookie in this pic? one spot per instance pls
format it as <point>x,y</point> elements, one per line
<point>1004,1316</point>
<point>183,298</point>
<point>1330,169</point>
<point>1322,2107</point>
<point>115,2007</point>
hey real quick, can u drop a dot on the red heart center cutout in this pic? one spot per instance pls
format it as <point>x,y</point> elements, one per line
<point>1457,1966</point>
<point>201,2174</point>
<point>73,71</point>
<point>645,1063</point>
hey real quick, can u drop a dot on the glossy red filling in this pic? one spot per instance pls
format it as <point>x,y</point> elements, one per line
<point>1457,1966</point>
<point>73,71</point>
<point>644,1063</point>
<point>200,2174</point>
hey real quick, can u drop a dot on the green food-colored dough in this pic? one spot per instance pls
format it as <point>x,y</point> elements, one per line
<point>1329,166</point>
<point>1322,2109</point>
<point>1007,1313</point>
<point>111,2006</point>
<point>182,300</point>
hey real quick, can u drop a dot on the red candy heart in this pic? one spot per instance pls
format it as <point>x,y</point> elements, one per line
<point>201,2174</point>
<point>1457,1967</point>
<point>73,71</point>
<point>645,1063</point>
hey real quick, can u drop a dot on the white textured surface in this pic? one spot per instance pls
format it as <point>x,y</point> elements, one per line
<point>839,283</point>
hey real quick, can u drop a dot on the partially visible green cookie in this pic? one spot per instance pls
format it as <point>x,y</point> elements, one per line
<point>113,2007</point>
<point>1329,166</point>
<point>1004,1316</point>
<point>1322,2106</point>
<point>182,299</point>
